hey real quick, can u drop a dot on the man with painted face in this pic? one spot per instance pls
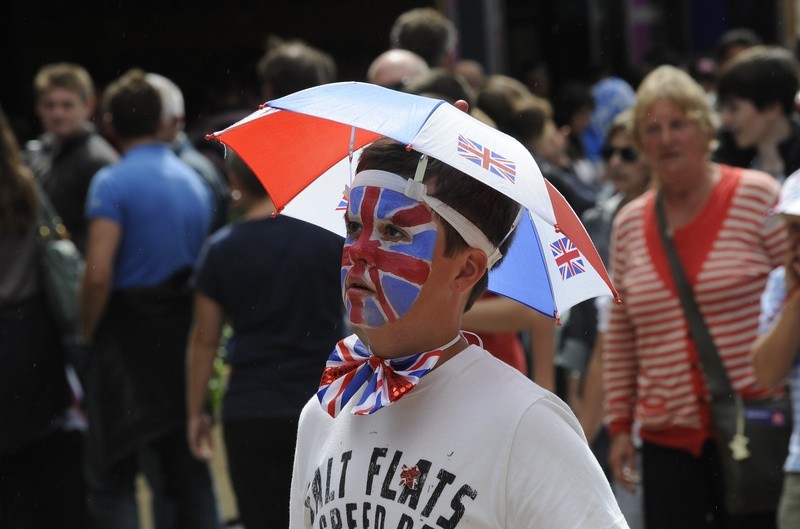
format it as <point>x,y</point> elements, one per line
<point>415,425</point>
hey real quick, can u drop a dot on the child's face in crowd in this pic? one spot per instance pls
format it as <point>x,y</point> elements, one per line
<point>387,254</point>
<point>62,112</point>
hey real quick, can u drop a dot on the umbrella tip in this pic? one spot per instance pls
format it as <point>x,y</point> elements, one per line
<point>618,299</point>
<point>262,106</point>
<point>211,136</point>
<point>408,148</point>
<point>558,228</point>
<point>558,319</point>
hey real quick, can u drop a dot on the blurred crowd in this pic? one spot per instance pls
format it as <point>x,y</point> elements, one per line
<point>186,264</point>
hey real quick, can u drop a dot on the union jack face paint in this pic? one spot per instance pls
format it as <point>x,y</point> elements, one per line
<point>387,254</point>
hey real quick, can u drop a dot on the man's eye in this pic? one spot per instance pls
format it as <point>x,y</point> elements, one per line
<point>393,232</point>
<point>352,226</point>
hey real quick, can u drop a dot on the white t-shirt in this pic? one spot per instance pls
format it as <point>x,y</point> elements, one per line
<point>475,445</point>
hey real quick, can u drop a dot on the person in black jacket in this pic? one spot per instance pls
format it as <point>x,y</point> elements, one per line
<point>70,151</point>
<point>761,130</point>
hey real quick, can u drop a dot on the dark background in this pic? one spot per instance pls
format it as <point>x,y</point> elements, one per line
<point>210,47</point>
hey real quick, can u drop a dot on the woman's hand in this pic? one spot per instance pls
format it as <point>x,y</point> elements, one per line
<point>622,458</point>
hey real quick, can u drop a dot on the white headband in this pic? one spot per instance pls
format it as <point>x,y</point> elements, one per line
<point>419,192</point>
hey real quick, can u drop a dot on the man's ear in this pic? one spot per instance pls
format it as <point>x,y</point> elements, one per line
<point>473,266</point>
<point>108,126</point>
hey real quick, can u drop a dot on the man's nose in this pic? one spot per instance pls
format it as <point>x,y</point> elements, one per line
<point>362,249</point>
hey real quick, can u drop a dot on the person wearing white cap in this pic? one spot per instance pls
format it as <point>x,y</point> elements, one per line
<point>776,353</point>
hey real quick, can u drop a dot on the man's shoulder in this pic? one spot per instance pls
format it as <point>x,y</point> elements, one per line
<point>491,378</point>
<point>99,149</point>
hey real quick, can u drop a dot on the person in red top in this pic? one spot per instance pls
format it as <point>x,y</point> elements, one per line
<point>498,322</point>
<point>718,217</point>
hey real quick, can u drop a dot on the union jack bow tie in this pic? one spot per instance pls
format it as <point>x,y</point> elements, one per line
<point>351,366</point>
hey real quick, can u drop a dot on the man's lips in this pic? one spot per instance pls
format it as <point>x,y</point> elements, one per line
<point>358,284</point>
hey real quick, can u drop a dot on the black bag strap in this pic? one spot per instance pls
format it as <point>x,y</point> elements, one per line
<point>716,377</point>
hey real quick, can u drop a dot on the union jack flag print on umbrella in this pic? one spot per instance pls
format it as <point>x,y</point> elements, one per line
<point>568,258</point>
<point>486,158</point>
<point>304,147</point>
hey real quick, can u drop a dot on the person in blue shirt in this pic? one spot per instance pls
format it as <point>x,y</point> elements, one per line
<point>148,216</point>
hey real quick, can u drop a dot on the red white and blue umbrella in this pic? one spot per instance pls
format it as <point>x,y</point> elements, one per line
<point>304,148</point>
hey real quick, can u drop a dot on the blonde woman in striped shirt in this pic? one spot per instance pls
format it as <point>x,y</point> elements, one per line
<point>718,217</point>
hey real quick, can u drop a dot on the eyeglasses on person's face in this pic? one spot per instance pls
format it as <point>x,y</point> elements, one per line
<point>627,154</point>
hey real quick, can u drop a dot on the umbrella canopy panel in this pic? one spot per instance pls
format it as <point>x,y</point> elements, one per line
<point>283,164</point>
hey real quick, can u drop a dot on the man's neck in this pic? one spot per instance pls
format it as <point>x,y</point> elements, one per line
<point>259,208</point>
<point>778,133</point>
<point>61,140</point>
<point>132,143</point>
<point>388,341</point>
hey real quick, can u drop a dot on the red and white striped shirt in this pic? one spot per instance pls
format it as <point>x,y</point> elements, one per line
<point>651,369</point>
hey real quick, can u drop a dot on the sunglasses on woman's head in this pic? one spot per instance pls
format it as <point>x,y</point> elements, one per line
<point>626,153</point>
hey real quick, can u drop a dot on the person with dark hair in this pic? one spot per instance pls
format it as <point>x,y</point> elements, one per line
<point>529,119</point>
<point>291,66</point>
<point>756,93</point>
<point>573,105</point>
<point>284,68</point>
<point>275,278</point>
<point>41,462</point>
<point>428,33</point>
<point>733,42</point>
<point>465,439</point>
<point>148,217</point>
<point>442,84</point>
<point>499,97</point>
<point>70,151</point>
<point>473,73</point>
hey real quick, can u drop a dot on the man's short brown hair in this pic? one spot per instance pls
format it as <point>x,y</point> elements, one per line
<point>489,210</point>
<point>134,105</point>
<point>64,75</point>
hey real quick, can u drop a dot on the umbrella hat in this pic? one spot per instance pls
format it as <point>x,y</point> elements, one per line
<point>303,148</point>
